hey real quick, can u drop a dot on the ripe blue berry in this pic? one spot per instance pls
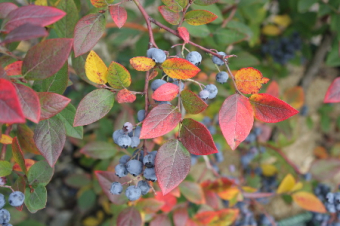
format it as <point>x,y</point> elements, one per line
<point>149,160</point>
<point>134,167</point>
<point>135,132</point>
<point>149,52</point>
<point>217,60</point>
<point>194,57</point>
<point>116,134</point>
<point>157,83</point>
<point>150,174</point>
<point>212,130</point>
<point>16,198</point>
<point>219,156</point>
<point>204,94</point>
<point>222,77</point>
<point>144,186</point>
<point>206,120</point>
<point>121,170</point>
<point>2,201</point>
<point>212,90</point>
<point>134,142</point>
<point>5,216</point>
<point>116,188</point>
<point>141,115</point>
<point>158,55</point>
<point>133,193</point>
<point>124,141</point>
<point>124,159</point>
<point>127,127</point>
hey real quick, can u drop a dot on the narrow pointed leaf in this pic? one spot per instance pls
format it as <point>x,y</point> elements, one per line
<point>184,34</point>
<point>170,16</point>
<point>6,8</point>
<point>160,120</point>
<point>125,96</point>
<point>118,77</point>
<point>172,165</point>
<point>236,119</point>
<point>25,32</point>
<point>95,68</point>
<point>333,92</point>
<point>118,14</point>
<point>249,80</point>
<point>192,103</point>
<point>51,104</point>
<point>179,68</point>
<point>271,109</point>
<point>286,184</point>
<point>142,63</point>
<point>129,217</point>
<point>18,155</point>
<point>14,68</point>
<point>308,202</point>
<point>199,17</point>
<point>166,92</point>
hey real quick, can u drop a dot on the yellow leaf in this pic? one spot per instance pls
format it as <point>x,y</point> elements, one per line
<point>297,186</point>
<point>308,202</point>
<point>41,2</point>
<point>268,170</point>
<point>5,139</point>
<point>95,69</point>
<point>271,30</point>
<point>142,63</point>
<point>229,193</point>
<point>286,184</point>
<point>282,20</point>
<point>249,189</point>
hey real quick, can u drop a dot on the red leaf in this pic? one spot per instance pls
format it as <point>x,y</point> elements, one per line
<point>168,15</point>
<point>46,58</point>
<point>192,103</point>
<point>125,96</point>
<point>51,104</point>
<point>271,109</point>
<point>169,201</point>
<point>184,34</point>
<point>87,32</point>
<point>6,8</point>
<point>25,32</point>
<point>273,89</point>
<point>34,14</point>
<point>236,119</point>
<point>161,219</point>
<point>160,120</point>
<point>197,138</point>
<point>211,199</point>
<point>180,216</point>
<point>29,101</point>
<point>10,108</point>
<point>129,217</point>
<point>105,179</point>
<point>118,14</point>
<point>14,68</point>
<point>333,92</point>
<point>172,165</point>
<point>166,92</point>
<point>18,155</point>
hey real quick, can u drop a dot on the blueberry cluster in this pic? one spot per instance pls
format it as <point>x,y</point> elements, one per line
<point>127,136</point>
<point>246,216</point>
<point>15,199</point>
<point>209,92</point>
<point>283,49</point>
<point>134,166</point>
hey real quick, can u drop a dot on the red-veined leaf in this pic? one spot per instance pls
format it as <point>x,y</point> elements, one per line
<point>166,92</point>
<point>159,121</point>
<point>179,68</point>
<point>249,80</point>
<point>236,119</point>
<point>14,68</point>
<point>168,199</point>
<point>172,165</point>
<point>33,14</point>
<point>192,103</point>
<point>6,8</point>
<point>51,104</point>
<point>199,17</point>
<point>294,96</point>
<point>271,109</point>
<point>273,89</point>
<point>93,107</point>
<point>149,205</point>
<point>205,2</point>
<point>25,138</point>
<point>125,96</point>
<point>308,202</point>
<point>333,92</point>
<point>25,32</point>
<point>118,14</point>
<point>29,102</point>
<point>161,219</point>
<point>46,58</point>
<point>117,76</point>
<point>10,107</point>
<point>101,3</point>
<point>18,155</point>
<point>184,34</point>
<point>171,17</point>
<point>142,63</point>
<point>180,217</point>
<point>87,32</point>
<point>197,138</point>
<point>129,217</point>
<point>192,191</point>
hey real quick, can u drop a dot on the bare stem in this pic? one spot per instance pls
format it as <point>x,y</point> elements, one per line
<point>233,78</point>
<point>198,83</point>
<point>3,149</point>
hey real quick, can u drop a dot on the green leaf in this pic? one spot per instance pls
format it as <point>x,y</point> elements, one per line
<point>228,36</point>
<point>199,17</point>
<point>333,59</point>
<point>78,180</point>
<point>117,76</point>
<point>18,155</point>
<point>67,117</point>
<point>175,5</point>
<point>37,199</point>
<point>198,32</point>
<point>5,168</point>
<point>86,200</point>
<point>248,60</point>
<point>192,103</point>
<point>39,173</point>
<point>192,191</point>
<point>205,2</point>
<point>57,83</point>
<point>304,5</point>
<point>99,150</point>
<point>65,26</point>
<point>240,27</point>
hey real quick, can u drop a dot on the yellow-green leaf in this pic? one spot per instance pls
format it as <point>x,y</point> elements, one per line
<point>287,184</point>
<point>142,63</point>
<point>117,76</point>
<point>199,17</point>
<point>101,3</point>
<point>5,139</point>
<point>5,168</point>
<point>95,68</point>
<point>268,170</point>
<point>271,30</point>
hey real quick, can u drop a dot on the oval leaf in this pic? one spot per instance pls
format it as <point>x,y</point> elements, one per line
<point>65,27</point>
<point>180,216</point>
<point>99,150</point>
<point>192,191</point>
<point>199,17</point>
<point>161,219</point>
<point>40,173</point>
<point>236,119</point>
<point>57,83</point>
<point>18,155</point>
<point>333,92</point>
<point>166,92</point>
<point>179,68</point>
<point>93,107</point>
<point>149,205</point>
<point>159,121</point>
<point>25,32</point>
<point>5,168</point>
<point>6,8</point>
<point>25,137</point>
<point>325,169</point>
<point>273,89</point>
<point>101,3</point>
<point>271,109</point>
<point>129,217</point>
<point>125,96</point>
<point>46,58</point>
<point>286,185</point>
<point>14,68</point>
<point>192,103</point>
<point>170,16</point>
<point>249,80</point>
<point>172,165</point>
<point>35,199</point>
<point>67,117</point>
<point>118,14</point>
<point>95,68</point>
<point>87,32</point>
<point>308,202</point>
<point>5,139</point>
<point>142,63</point>
<point>184,34</point>
<point>117,76</point>
<point>197,138</point>
<point>51,104</point>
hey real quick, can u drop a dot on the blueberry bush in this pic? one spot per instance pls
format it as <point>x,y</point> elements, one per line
<point>226,112</point>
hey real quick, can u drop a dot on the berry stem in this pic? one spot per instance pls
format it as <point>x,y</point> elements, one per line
<point>3,149</point>
<point>7,186</point>
<point>198,83</point>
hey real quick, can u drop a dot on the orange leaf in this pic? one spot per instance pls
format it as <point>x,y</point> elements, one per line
<point>153,74</point>
<point>184,34</point>
<point>320,153</point>
<point>179,68</point>
<point>142,63</point>
<point>217,185</point>
<point>5,139</point>
<point>28,164</point>
<point>14,68</point>
<point>206,217</point>
<point>229,193</point>
<point>225,217</point>
<point>125,96</point>
<point>168,199</point>
<point>249,80</point>
<point>287,184</point>
<point>308,202</point>
<point>294,96</point>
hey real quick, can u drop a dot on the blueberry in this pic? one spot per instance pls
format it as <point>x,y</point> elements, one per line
<point>149,160</point>
<point>250,138</point>
<point>193,159</point>
<point>217,60</point>
<point>116,134</point>
<point>149,52</point>
<point>180,87</point>
<point>306,176</point>
<point>116,188</point>
<point>124,141</point>
<point>257,131</point>
<point>5,216</point>
<point>206,120</point>
<point>212,130</point>
<point>330,198</point>
<point>222,77</point>
<point>134,167</point>
<point>141,155</point>
<point>124,159</point>
<point>212,90</point>
<point>16,198</point>
<point>219,156</point>
<point>304,110</point>
<point>121,170</point>
<point>162,102</point>
<point>136,132</point>
<point>157,83</point>
<point>330,207</point>
<point>133,193</point>
<point>150,174</point>
<point>144,186</point>
<point>154,153</point>
<point>194,57</point>
<point>135,141</point>
<point>2,201</point>
<point>141,115</point>
<point>158,55</point>
<point>204,94</point>
<point>127,127</point>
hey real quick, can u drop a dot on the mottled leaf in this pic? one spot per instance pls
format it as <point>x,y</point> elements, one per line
<point>125,96</point>
<point>333,92</point>
<point>142,63</point>
<point>95,68</point>
<point>118,14</point>
<point>101,3</point>
<point>199,17</point>
<point>99,150</point>
<point>179,68</point>
<point>166,92</point>
<point>18,155</point>
<point>67,117</point>
<point>249,80</point>
<point>117,76</point>
<point>25,138</point>
<point>308,202</point>
<point>40,173</point>
<point>192,103</point>
<point>25,32</point>
<point>129,217</point>
<point>14,68</point>
<point>170,16</point>
<point>51,104</point>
